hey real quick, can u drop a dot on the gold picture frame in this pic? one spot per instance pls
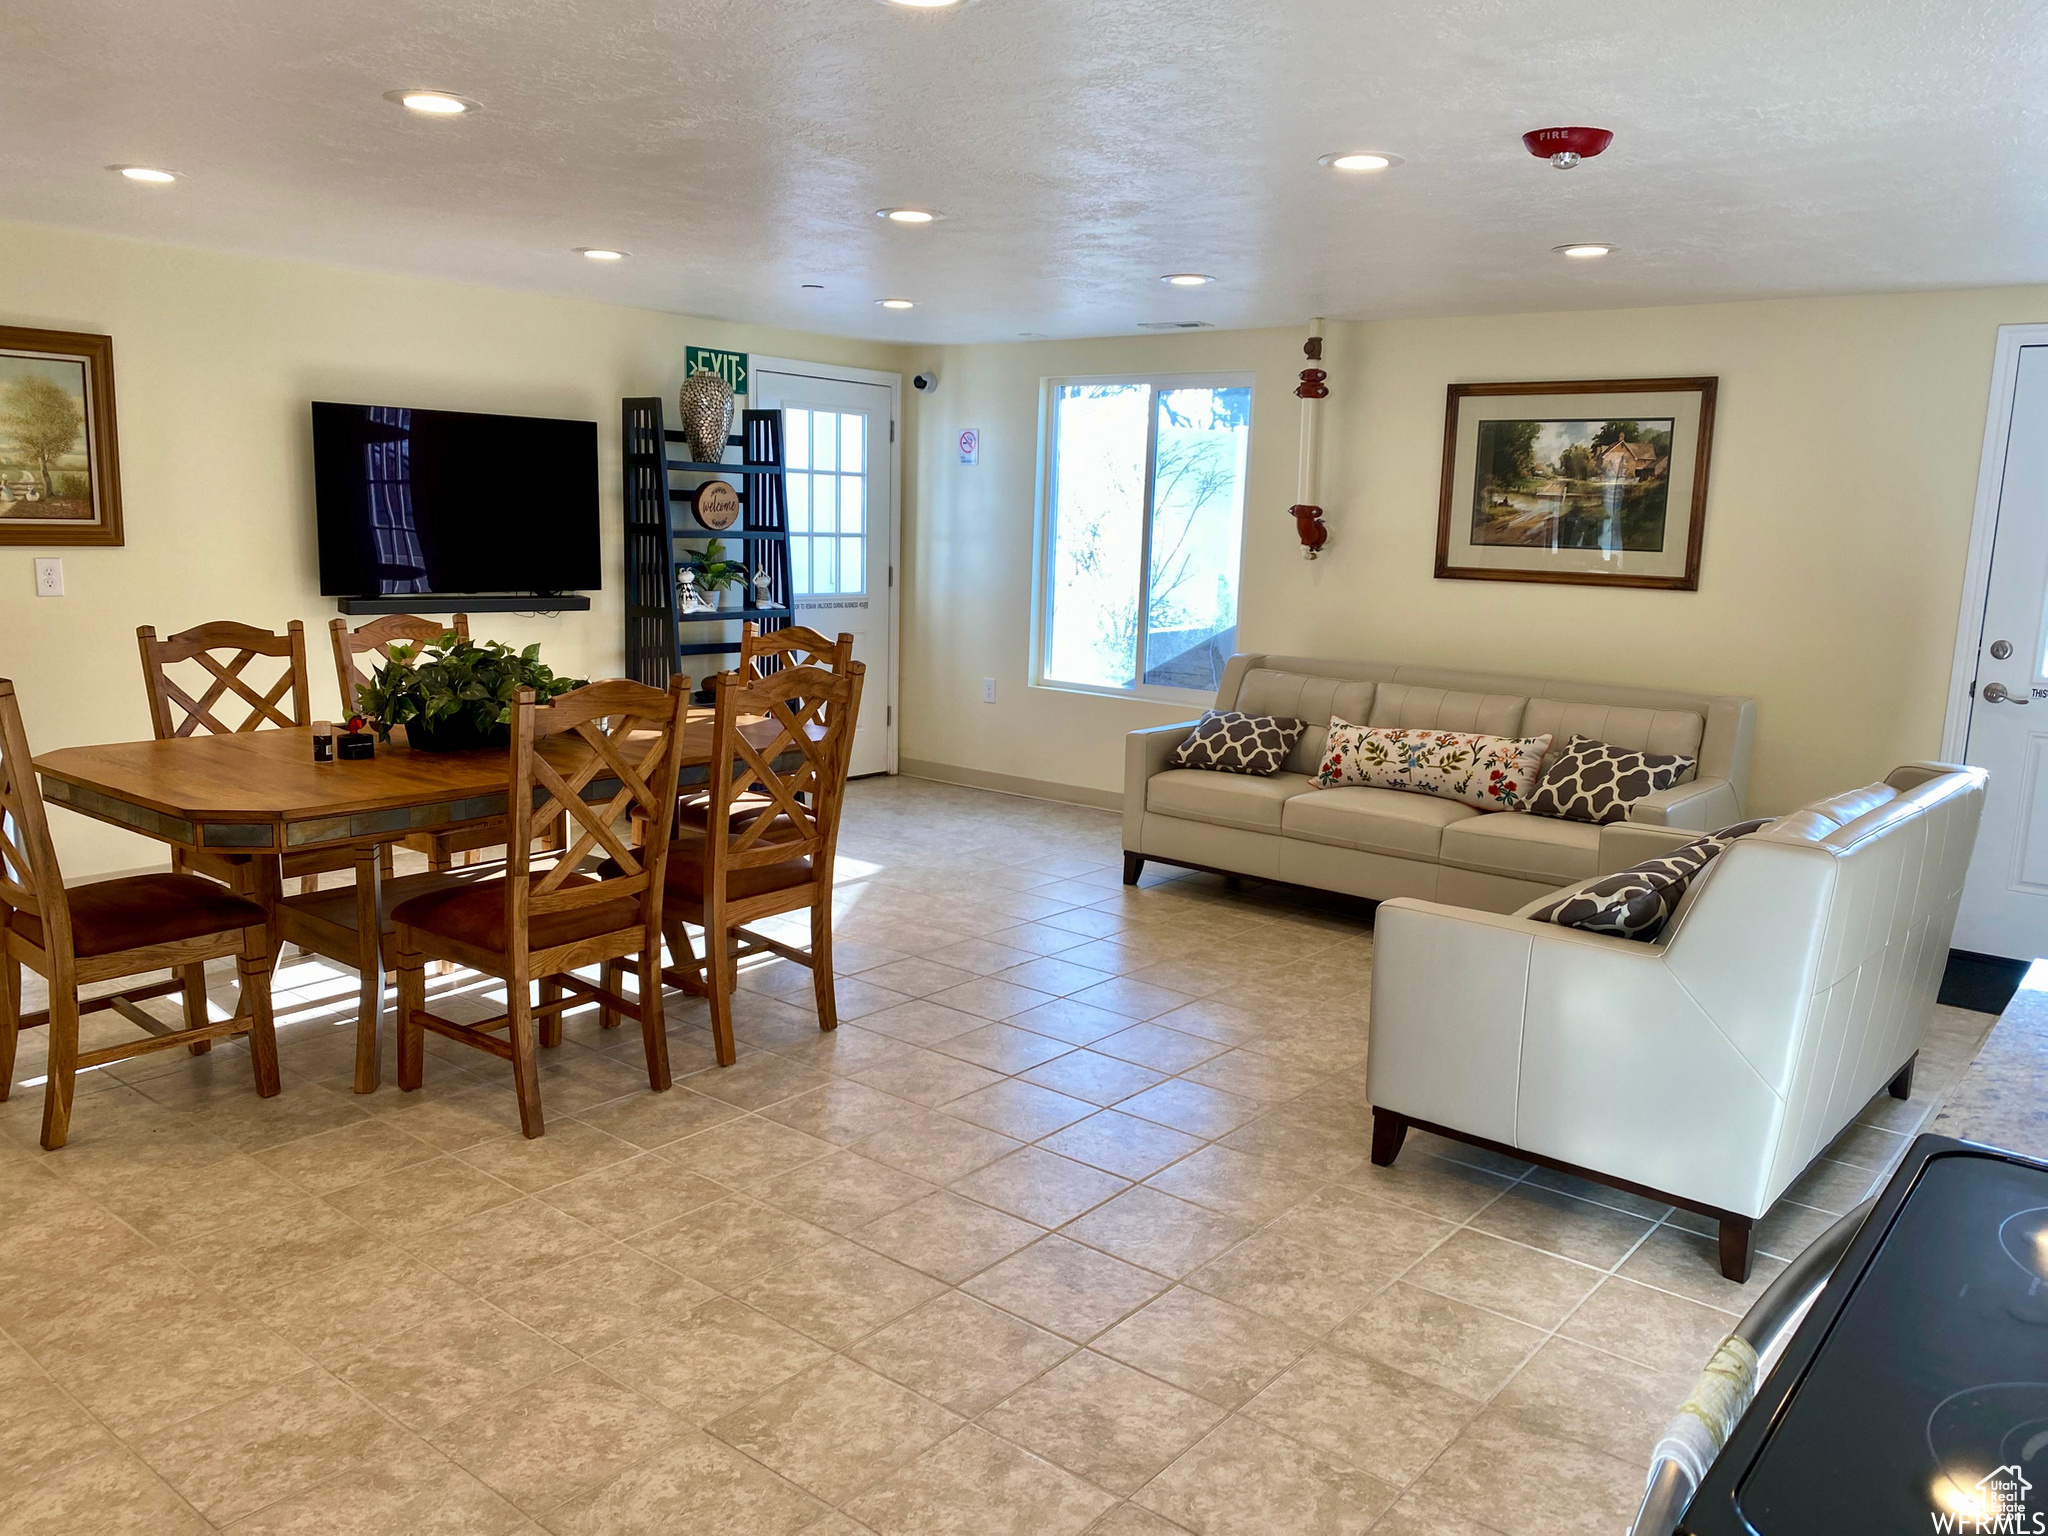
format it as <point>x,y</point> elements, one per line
<point>1590,482</point>
<point>60,468</point>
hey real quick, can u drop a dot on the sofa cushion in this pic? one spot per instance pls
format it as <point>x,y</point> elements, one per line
<point>1488,773</point>
<point>1597,781</point>
<point>1406,707</point>
<point>1637,902</point>
<point>1223,799</point>
<point>1388,821</point>
<point>1527,847</point>
<point>1673,731</point>
<point>1229,741</point>
<point>1309,698</point>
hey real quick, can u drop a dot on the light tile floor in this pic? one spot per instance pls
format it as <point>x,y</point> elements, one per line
<point>1069,1227</point>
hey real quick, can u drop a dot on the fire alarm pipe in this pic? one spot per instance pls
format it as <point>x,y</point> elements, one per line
<point>1313,389</point>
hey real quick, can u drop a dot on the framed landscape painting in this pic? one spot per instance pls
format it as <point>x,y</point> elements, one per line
<point>1600,482</point>
<point>60,475</point>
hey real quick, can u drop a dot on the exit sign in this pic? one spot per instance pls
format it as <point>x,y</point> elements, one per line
<point>729,366</point>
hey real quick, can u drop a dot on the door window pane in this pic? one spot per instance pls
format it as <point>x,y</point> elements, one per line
<point>853,432</point>
<point>1145,528</point>
<point>800,564</point>
<point>799,503</point>
<point>852,492</point>
<point>850,562</point>
<point>824,440</point>
<point>1197,530</point>
<point>823,565</point>
<point>796,439</point>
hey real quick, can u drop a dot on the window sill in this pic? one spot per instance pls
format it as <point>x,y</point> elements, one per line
<point>1178,698</point>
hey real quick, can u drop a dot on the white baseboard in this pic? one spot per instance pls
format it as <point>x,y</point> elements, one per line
<point>1012,784</point>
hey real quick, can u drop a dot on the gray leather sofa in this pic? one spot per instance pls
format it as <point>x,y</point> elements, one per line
<point>1383,843</point>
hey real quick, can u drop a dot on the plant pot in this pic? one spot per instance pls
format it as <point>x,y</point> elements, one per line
<point>460,734</point>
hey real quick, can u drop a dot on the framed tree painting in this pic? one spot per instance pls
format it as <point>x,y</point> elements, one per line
<point>1599,482</point>
<point>60,474</point>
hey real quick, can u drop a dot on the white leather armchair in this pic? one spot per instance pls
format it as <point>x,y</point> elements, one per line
<point>1706,1069</point>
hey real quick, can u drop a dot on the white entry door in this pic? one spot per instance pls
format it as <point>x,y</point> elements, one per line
<point>2005,900</point>
<point>838,441</point>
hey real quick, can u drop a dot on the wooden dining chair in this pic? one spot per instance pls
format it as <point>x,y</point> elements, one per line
<point>107,930</point>
<point>443,850</point>
<point>761,656</point>
<point>224,651</point>
<point>723,879</point>
<point>543,925</point>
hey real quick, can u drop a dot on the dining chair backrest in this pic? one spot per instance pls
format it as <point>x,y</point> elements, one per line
<point>380,635</point>
<point>793,646</point>
<point>812,712</point>
<point>222,651</point>
<point>634,734</point>
<point>30,881</point>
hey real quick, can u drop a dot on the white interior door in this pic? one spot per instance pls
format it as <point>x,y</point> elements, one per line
<point>838,444</point>
<point>2005,901</point>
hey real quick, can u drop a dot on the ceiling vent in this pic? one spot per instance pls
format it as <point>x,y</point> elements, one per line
<point>1176,325</point>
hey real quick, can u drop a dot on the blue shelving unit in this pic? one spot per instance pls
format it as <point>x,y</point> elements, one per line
<point>658,521</point>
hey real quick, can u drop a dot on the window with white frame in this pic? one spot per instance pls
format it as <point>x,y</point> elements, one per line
<point>827,461</point>
<point>1143,528</point>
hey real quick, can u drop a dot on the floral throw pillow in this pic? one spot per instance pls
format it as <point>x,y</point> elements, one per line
<point>1636,903</point>
<point>1596,781</point>
<point>1494,773</point>
<point>1228,742</point>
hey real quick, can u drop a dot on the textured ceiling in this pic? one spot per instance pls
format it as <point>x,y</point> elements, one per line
<point>739,148</point>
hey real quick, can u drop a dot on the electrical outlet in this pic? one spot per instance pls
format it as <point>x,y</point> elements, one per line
<point>50,580</point>
<point>988,684</point>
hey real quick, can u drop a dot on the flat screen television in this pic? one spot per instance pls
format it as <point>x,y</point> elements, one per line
<point>429,503</point>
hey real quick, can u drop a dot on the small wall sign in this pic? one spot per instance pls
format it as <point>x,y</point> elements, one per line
<point>729,366</point>
<point>970,445</point>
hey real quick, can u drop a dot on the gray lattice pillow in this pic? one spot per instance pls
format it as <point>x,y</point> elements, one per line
<point>1594,781</point>
<point>1228,742</point>
<point>1637,902</point>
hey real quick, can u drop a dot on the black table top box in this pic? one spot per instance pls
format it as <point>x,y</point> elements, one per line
<point>1914,1396</point>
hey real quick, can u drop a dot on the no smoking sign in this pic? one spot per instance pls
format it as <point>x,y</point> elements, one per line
<point>970,446</point>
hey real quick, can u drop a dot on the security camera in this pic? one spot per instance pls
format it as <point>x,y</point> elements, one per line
<point>924,383</point>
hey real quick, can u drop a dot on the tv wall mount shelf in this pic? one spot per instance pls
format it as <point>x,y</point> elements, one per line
<point>658,520</point>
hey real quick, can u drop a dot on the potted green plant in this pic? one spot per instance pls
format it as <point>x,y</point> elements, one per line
<point>715,573</point>
<point>455,695</point>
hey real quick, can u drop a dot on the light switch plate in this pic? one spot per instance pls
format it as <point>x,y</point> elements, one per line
<point>49,578</point>
<point>988,684</point>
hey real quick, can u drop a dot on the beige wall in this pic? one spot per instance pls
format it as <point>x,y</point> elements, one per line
<point>215,359</point>
<point>1844,468</point>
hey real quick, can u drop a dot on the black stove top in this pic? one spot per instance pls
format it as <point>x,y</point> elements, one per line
<point>1914,1397</point>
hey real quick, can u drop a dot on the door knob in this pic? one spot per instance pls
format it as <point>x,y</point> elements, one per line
<point>1997,693</point>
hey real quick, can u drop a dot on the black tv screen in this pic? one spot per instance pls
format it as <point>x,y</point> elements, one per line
<point>433,502</point>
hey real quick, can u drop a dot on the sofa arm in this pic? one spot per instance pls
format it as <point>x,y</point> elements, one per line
<point>1145,753</point>
<point>1624,844</point>
<point>1704,805</point>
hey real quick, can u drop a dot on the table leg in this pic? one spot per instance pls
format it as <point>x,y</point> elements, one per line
<point>370,950</point>
<point>260,879</point>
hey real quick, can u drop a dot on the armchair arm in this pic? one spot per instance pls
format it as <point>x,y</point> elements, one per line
<point>1145,753</point>
<point>1700,806</point>
<point>1626,843</point>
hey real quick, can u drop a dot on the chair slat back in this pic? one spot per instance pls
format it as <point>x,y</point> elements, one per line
<point>379,635</point>
<point>29,878</point>
<point>813,712</point>
<point>794,646</point>
<point>221,653</point>
<point>635,736</point>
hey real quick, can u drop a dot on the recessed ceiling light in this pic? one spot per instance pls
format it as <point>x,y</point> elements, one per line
<point>148,175</point>
<point>431,103</point>
<point>599,253</point>
<point>908,215</point>
<point>820,287</point>
<point>1186,279</point>
<point>926,5</point>
<point>1360,160</point>
<point>896,303</point>
<point>1584,252</point>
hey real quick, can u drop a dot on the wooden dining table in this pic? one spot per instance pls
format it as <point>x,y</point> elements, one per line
<point>254,795</point>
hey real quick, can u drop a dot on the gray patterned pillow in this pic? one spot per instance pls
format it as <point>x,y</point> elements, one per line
<point>1228,742</point>
<point>1594,781</point>
<point>1637,902</point>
